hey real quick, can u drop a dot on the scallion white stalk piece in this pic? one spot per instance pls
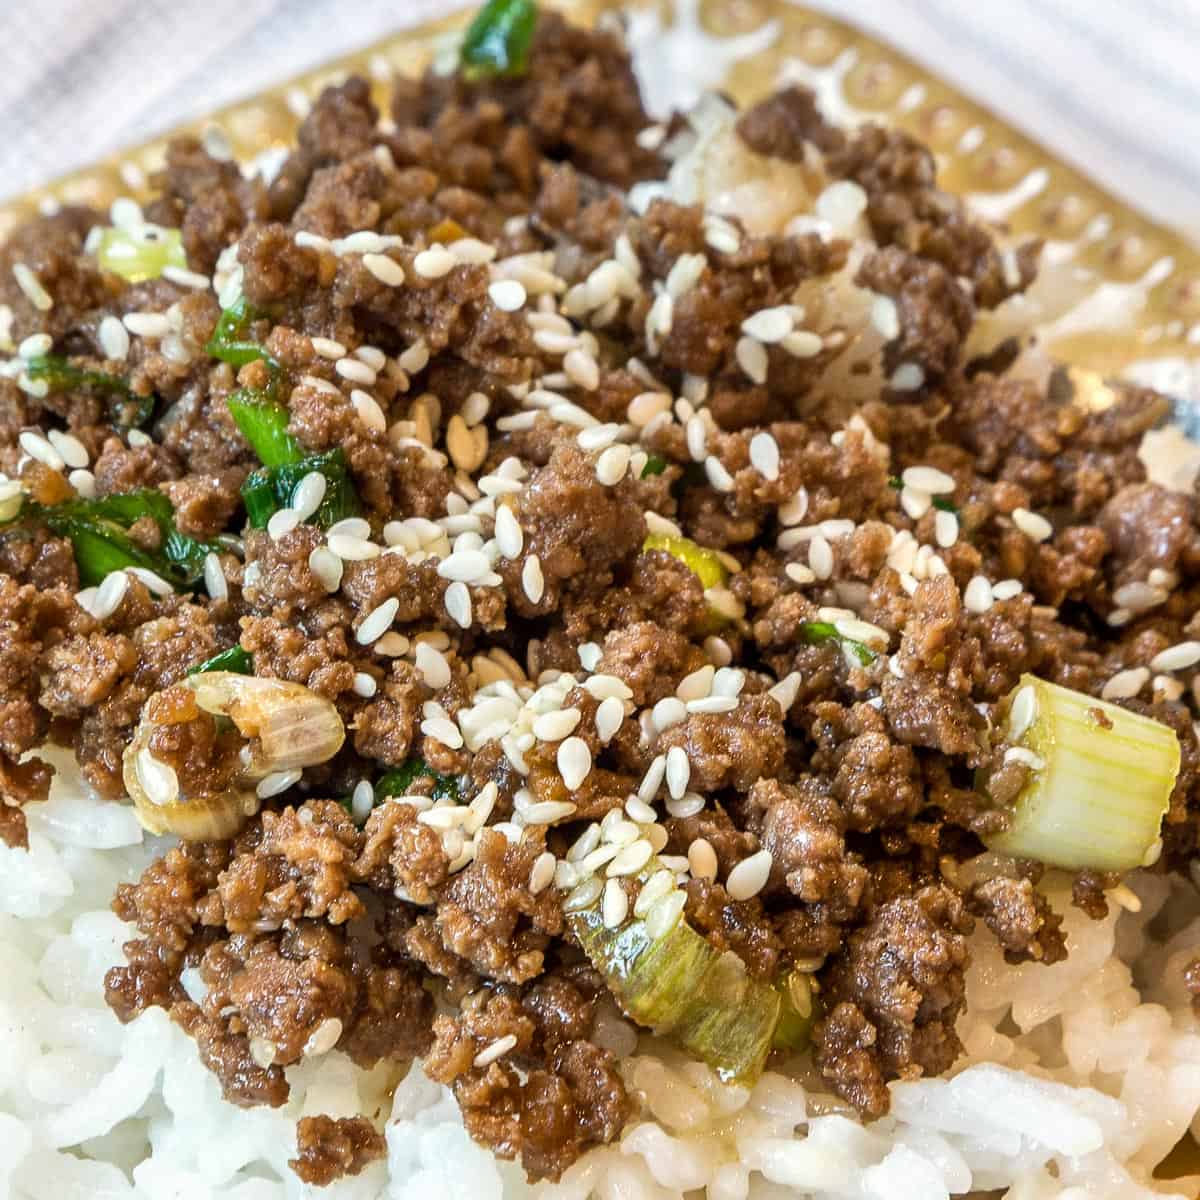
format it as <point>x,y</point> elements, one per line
<point>1100,780</point>
<point>675,982</point>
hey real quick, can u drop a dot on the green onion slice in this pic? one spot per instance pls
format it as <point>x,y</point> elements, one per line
<point>129,410</point>
<point>98,532</point>
<point>263,422</point>
<point>399,782</point>
<point>140,252</point>
<point>818,633</point>
<point>677,984</point>
<point>498,41</point>
<point>235,659</point>
<point>705,564</point>
<point>655,465</point>
<point>231,340</point>
<point>1100,780</point>
<point>271,488</point>
<point>798,1011</point>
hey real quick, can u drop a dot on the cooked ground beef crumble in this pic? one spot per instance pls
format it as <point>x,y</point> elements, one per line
<point>529,371</point>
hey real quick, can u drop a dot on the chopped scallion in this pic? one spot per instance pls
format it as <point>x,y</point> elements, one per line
<point>705,564</point>
<point>140,252</point>
<point>1099,779</point>
<point>235,659</point>
<point>263,423</point>
<point>818,633</point>
<point>655,465</point>
<point>498,40</point>
<point>271,488</point>
<point>129,410</point>
<point>679,985</point>
<point>231,341</point>
<point>399,782</point>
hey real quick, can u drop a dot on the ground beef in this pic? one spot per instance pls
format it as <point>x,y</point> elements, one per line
<point>731,749</point>
<point>329,1148</point>
<point>894,995</point>
<point>1023,922</point>
<point>785,122</point>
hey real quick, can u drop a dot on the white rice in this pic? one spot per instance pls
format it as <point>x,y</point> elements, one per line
<point>1078,1078</point>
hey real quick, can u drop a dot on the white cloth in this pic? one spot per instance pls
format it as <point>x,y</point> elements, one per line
<point>1107,84</point>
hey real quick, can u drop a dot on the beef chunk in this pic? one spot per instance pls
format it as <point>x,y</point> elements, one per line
<point>328,1148</point>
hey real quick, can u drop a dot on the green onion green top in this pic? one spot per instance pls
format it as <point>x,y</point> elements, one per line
<point>235,659</point>
<point>655,465</point>
<point>271,488</point>
<point>498,41</point>
<point>61,375</point>
<point>231,341</point>
<point>263,422</point>
<point>399,782</point>
<point>818,633</point>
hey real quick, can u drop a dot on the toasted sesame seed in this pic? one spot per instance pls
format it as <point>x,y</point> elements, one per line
<point>497,1050</point>
<point>32,287</point>
<point>584,895</point>
<point>39,448</point>
<point>70,449</point>
<point>977,595</point>
<point>365,685</point>
<point>764,455</point>
<point>665,915</point>
<point>631,859</point>
<point>612,465</point>
<point>443,730</point>
<point>1026,757</point>
<point>945,528</point>
<point>786,690</point>
<point>458,604</point>
<point>542,874</point>
<point>148,325</point>
<point>820,557</point>
<point>702,859</point>
<point>1138,596</point>
<point>907,377</point>
<point>668,712</point>
<point>1022,713</point>
<point>1124,685</point>
<point>432,664</point>
<point>532,582</point>
<point>1176,658</point>
<point>328,348</point>
<point>1007,589</point>
<point>386,270</point>
<point>750,876</point>
<point>645,406</point>
<point>435,262</point>
<point>652,780</point>
<point>557,724</point>
<point>84,482</point>
<point>574,762</point>
<point>610,714</point>
<point>751,357</point>
<point>215,582</point>
<point>376,622</point>
<point>1032,524</point>
<point>885,317</point>
<point>717,475</point>
<point>928,479</point>
<point>465,566</point>
<point>697,684</point>
<point>615,906</point>
<point>186,278</point>
<point>276,782</point>
<point>769,324</point>
<point>327,567</point>
<point>679,772</point>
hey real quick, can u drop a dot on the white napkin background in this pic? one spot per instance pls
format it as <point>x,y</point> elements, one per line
<point>1110,85</point>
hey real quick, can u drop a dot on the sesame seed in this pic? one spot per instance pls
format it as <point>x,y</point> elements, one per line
<point>443,730</point>
<point>689,806</point>
<point>718,476</point>
<point>328,348</point>
<point>582,369</point>
<point>510,537</point>
<point>679,772</point>
<point>365,685</point>
<point>109,595</point>
<point>532,581</point>
<point>928,479</point>
<point>149,325</point>
<point>70,449</point>
<point>309,494</point>
<point>362,800</point>
<point>275,783</point>
<point>751,357</point>
<point>668,712</point>
<point>820,557</point>
<point>432,665</point>
<point>542,873</point>
<point>631,859</point>
<point>786,690</point>
<point>612,465</point>
<point>185,278</point>
<point>84,482</point>
<point>610,715</point>
<point>458,604</point>
<point>696,685</point>
<point>35,345</point>
<point>583,896</point>
<point>644,407</point>
<point>555,725</point>
<point>37,447</point>
<point>215,582</point>
<point>665,915</point>
<point>1026,757</point>
<point>1022,713</point>
<point>435,262</point>
<point>355,371</point>
<point>907,377</point>
<point>368,410</point>
<point>702,859</point>
<point>32,287</point>
<point>415,358</point>
<point>1032,524</point>
<point>653,778</point>
<point>386,270</point>
<point>113,338</point>
<point>282,522</point>
<point>1124,685</point>
<point>769,324</point>
<point>945,528</point>
<point>574,762</point>
<point>547,812</point>
<point>615,907</point>
<point>764,455</point>
<point>377,621</point>
<point>327,568</point>
<point>1007,589</point>
<point>750,876</point>
<point>1176,658</point>
<point>885,317</point>
<point>497,1050</point>
<point>465,566</point>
